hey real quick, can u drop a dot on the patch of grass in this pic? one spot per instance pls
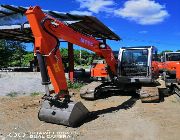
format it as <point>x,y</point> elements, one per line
<point>75,85</point>
<point>35,94</point>
<point>173,101</point>
<point>12,94</point>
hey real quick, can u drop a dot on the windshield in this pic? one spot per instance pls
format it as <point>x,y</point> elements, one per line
<point>134,62</point>
<point>173,57</point>
<point>135,57</point>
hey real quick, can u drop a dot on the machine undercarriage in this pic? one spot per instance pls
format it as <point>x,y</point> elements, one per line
<point>148,93</point>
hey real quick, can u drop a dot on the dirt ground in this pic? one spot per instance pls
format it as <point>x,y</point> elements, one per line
<point>113,118</point>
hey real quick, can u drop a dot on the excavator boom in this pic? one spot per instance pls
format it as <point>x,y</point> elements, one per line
<point>47,31</point>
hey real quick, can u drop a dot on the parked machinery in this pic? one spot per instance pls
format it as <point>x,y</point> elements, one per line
<point>177,84</point>
<point>171,71</point>
<point>170,62</point>
<point>99,68</point>
<point>57,106</point>
<point>137,70</point>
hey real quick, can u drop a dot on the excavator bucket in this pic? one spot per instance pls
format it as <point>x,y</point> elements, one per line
<point>69,114</point>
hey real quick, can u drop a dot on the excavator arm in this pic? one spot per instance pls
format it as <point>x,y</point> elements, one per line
<point>47,31</point>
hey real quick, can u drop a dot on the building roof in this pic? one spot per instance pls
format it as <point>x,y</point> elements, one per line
<point>88,25</point>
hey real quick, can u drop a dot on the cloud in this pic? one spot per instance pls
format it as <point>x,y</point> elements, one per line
<point>88,13</point>
<point>144,12</point>
<point>143,32</point>
<point>97,6</point>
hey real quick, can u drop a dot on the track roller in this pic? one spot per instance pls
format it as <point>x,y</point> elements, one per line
<point>89,91</point>
<point>149,94</point>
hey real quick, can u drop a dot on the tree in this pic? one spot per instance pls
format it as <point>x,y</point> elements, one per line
<point>18,51</point>
<point>161,53</point>
<point>86,57</point>
<point>5,54</point>
<point>11,53</point>
<point>29,56</point>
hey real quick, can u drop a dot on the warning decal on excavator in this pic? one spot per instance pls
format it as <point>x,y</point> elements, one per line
<point>56,67</point>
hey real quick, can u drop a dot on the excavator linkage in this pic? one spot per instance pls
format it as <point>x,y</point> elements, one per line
<point>54,110</point>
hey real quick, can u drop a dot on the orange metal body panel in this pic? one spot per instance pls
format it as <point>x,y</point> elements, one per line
<point>44,43</point>
<point>178,72</point>
<point>99,70</point>
<point>155,68</point>
<point>160,65</point>
<point>171,65</point>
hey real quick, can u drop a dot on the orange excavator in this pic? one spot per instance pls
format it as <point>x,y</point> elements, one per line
<point>171,70</point>
<point>170,61</point>
<point>134,70</point>
<point>98,68</point>
<point>57,106</point>
<point>177,84</point>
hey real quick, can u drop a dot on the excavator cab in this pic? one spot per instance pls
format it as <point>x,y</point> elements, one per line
<point>138,69</point>
<point>172,56</point>
<point>171,64</point>
<point>136,64</point>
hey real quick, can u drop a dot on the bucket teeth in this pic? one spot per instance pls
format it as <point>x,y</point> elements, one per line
<point>69,114</point>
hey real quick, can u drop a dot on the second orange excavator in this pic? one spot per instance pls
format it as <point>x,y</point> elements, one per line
<point>171,71</point>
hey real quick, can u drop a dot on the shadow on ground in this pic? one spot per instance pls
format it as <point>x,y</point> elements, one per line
<point>125,105</point>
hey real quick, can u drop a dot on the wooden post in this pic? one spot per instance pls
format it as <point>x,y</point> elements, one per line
<point>71,61</point>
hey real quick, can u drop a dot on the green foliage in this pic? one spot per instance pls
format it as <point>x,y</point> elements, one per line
<point>161,53</point>
<point>178,51</point>
<point>5,54</point>
<point>64,52</point>
<point>75,85</point>
<point>11,53</point>
<point>35,94</point>
<point>18,50</point>
<point>81,57</point>
<point>26,58</point>
<point>13,94</point>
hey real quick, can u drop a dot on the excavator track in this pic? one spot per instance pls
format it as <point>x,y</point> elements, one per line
<point>149,94</point>
<point>89,91</point>
<point>177,89</point>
